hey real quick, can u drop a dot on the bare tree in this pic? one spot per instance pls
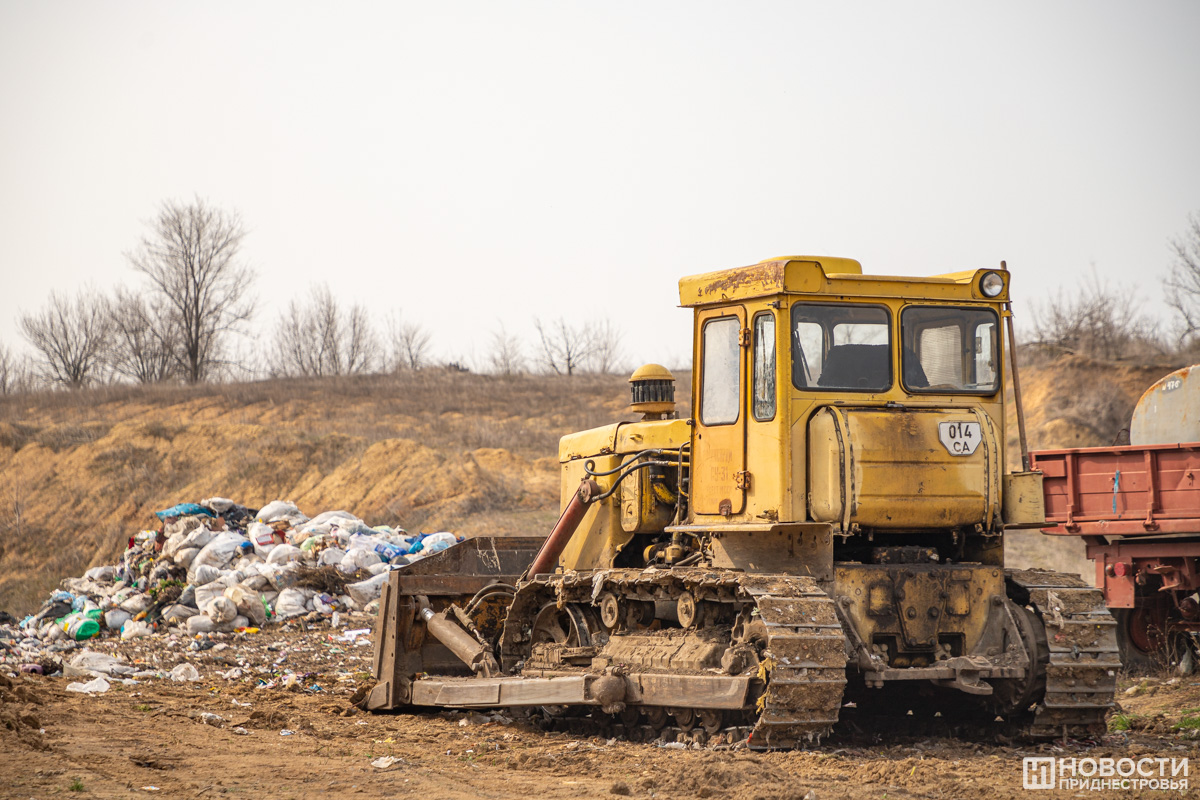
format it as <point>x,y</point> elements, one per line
<point>191,257</point>
<point>565,348</point>
<point>605,356</point>
<point>8,365</point>
<point>144,338</point>
<point>1098,321</point>
<point>324,338</point>
<point>410,344</point>
<point>506,355</point>
<point>71,337</point>
<point>9,369</point>
<point>1183,281</point>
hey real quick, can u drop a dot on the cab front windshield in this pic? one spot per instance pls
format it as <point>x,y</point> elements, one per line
<point>841,347</point>
<point>948,349</point>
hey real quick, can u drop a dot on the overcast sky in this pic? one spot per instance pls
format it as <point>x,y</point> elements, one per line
<point>472,163</point>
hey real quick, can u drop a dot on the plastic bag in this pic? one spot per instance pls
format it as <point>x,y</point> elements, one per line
<point>178,613</point>
<point>359,558</point>
<point>331,556</point>
<point>263,537</point>
<point>364,592</point>
<point>221,610</point>
<point>100,574</point>
<point>198,537</point>
<point>90,662</point>
<point>247,603</point>
<point>94,686</point>
<point>135,630</point>
<point>281,510</point>
<point>217,553</point>
<point>116,617</point>
<point>283,553</point>
<point>218,504</point>
<point>204,574</point>
<point>137,604</point>
<point>292,602</point>
<point>186,556</point>
<point>185,672</point>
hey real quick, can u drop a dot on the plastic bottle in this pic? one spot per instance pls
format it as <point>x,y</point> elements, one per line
<point>79,627</point>
<point>389,551</point>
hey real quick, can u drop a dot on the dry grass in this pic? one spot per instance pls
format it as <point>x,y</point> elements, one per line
<point>81,470</point>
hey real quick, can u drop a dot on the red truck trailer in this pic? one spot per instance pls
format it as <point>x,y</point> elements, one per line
<point>1137,508</point>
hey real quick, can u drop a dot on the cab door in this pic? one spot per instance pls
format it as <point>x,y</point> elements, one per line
<point>719,446</point>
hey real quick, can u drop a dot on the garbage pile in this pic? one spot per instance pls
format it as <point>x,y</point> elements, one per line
<point>220,567</point>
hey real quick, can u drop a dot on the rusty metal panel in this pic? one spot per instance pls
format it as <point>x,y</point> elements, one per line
<point>1024,504</point>
<point>1169,411</point>
<point>790,549</point>
<point>1129,490</point>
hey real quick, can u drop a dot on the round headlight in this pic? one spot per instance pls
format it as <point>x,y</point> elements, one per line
<point>991,284</point>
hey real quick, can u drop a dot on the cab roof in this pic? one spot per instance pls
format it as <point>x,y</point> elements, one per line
<point>826,275</point>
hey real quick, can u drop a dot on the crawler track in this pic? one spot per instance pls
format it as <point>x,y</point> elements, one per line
<point>1081,673</point>
<point>780,630</point>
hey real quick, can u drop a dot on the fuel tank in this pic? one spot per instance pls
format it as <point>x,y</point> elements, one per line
<point>903,468</point>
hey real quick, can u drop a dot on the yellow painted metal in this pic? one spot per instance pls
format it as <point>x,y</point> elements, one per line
<point>904,612</point>
<point>600,535</point>
<point>623,437</point>
<point>886,469</point>
<point>719,450</point>
<point>768,466</point>
<point>1024,503</point>
<point>822,275</point>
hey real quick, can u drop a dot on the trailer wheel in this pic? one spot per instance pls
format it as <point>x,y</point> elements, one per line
<point>1144,637</point>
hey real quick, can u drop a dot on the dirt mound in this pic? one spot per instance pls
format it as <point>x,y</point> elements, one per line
<point>80,472</point>
<point>425,451</point>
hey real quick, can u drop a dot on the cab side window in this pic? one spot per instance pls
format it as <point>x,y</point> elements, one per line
<point>721,380</point>
<point>764,367</point>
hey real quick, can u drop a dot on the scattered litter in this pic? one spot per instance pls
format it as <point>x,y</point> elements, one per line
<point>240,731</point>
<point>94,686</point>
<point>185,672</point>
<point>384,762</point>
<point>216,720</point>
<point>286,732</point>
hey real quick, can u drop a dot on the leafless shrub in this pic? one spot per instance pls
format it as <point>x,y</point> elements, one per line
<point>506,356</point>
<point>71,337</point>
<point>144,338</point>
<point>191,258</point>
<point>565,348</point>
<point>324,338</point>
<point>1099,320</point>
<point>587,347</point>
<point>11,376</point>
<point>410,345</point>
<point>1183,282</point>
<point>606,356</point>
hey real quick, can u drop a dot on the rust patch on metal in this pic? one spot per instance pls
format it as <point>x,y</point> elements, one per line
<point>730,280</point>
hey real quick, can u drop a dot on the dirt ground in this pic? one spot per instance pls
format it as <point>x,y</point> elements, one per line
<point>154,738</point>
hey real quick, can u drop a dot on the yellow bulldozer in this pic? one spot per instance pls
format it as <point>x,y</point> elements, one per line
<point>823,534</point>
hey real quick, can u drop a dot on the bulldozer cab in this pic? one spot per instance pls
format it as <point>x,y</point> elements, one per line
<point>867,402</point>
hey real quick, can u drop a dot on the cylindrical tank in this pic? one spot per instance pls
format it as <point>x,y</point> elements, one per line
<point>1169,411</point>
